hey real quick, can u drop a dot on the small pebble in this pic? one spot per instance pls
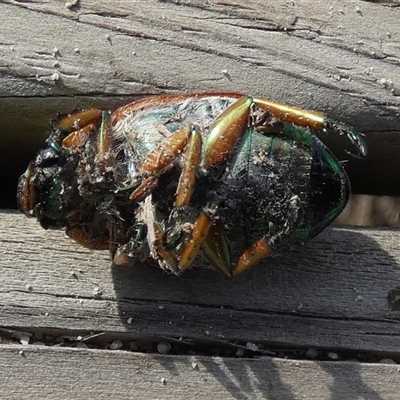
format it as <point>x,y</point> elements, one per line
<point>332,356</point>
<point>71,4</point>
<point>116,345</point>
<point>55,77</point>
<point>312,353</point>
<point>24,339</point>
<point>97,291</point>
<point>251,346</point>
<point>163,347</point>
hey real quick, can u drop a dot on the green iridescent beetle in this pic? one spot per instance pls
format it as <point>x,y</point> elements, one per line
<point>167,177</point>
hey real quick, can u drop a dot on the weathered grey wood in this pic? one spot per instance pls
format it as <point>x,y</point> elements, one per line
<point>332,293</point>
<point>341,57</point>
<point>56,373</point>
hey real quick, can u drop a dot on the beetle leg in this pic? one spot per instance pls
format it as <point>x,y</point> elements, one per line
<point>252,256</point>
<point>193,244</point>
<point>230,124</point>
<point>105,155</point>
<point>296,115</point>
<point>225,132</point>
<point>185,188</point>
<point>169,257</point>
<point>79,137</point>
<point>188,174</point>
<point>355,138</point>
<point>215,248</point>
<point>144,189</point>
<point>158,160</point>
<point>79,126</point>
<point>171,148</point>
<point>312,119</point>
<point>166,152</point>
<point>27,194</point>
<point>78,120</point>
<point>81,237</point>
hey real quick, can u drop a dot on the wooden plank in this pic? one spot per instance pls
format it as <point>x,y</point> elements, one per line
<point>333,57</point>
<point>38,372</point>
<point>339,291</point>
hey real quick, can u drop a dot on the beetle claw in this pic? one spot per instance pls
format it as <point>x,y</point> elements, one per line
<point>355,138</point>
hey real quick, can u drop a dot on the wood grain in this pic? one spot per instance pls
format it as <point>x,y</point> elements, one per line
<point>332,293</point>
<point>340,57</point>
<point>56,373</point>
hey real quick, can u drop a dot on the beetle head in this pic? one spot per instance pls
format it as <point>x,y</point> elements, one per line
<point>48,188</point>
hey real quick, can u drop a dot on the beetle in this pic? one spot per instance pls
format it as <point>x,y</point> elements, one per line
<point>167,177</point>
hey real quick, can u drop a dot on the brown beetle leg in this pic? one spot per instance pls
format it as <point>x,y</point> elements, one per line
<point>230,124</point>
<point>81,237</point>
<point>79,120</point>
<point>225,132</point>
<point>105,155</point>
<point>252,256</point>
<point>79,137</point>
<point>166,152</point>
<point>27,193</point>
<point>298,116</point>
<point>188,174</point>
<point>186,138</point>
<point>193,244</point>
<point>158,160</point>
<point>144,189</point>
